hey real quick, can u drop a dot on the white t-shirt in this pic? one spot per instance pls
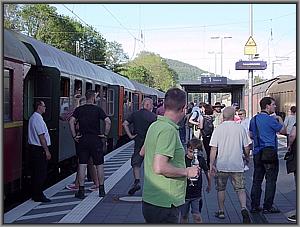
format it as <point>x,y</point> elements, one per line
<point>194,113</point>
<point>289,122</point>
<point>36,127</point>
<point>230,138</point>
<point>245,123</point>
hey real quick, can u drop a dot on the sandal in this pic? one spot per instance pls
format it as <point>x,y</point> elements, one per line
<point>220,214</point>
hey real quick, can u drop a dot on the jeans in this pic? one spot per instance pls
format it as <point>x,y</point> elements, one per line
<point>270,172</point>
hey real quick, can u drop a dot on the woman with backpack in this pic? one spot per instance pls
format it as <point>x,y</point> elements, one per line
<point>207,129</point>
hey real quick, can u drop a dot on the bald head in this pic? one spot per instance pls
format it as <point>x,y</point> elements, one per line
<point>147,104</point>
<point>228,113</point>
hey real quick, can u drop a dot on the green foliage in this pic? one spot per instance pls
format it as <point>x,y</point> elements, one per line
<point>115,55</point>
<point>184,71</point>
<point>11,14</point>
<point>42,22</point>
<point>139,74</point>
<point>160,75</point>
<point>258,79</point>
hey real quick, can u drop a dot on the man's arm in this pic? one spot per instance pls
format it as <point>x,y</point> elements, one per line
<point>72,127</point>
<point>142,151</point>
<point>44,145</point>
<point>127,130</point>
<point>292,137</point>
<point>162,166</point>
<point>247,151</point>
<point>213,153</point>
<point>283,129</point>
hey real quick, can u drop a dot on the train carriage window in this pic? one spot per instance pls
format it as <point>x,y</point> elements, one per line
<point>64,97</point>
<point>88,86</point>
<point>7,95</point>
<point>97,88</point>
<point>110,102</point>
<point>78,88</point>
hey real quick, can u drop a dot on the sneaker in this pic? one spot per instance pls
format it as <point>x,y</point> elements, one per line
<point>72,187</point>
<point>246,168</point>
<point>292,218</point>
<point>80,194</point>
<point>220,214</point>
<point>134,188</point>
<point>93,188</point>
<point>271,210</point>
<point>246,217</point>
<point>255,210</point>
<point>101,191</point>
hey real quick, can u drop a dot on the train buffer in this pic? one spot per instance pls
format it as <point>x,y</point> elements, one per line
<point>118,207</point>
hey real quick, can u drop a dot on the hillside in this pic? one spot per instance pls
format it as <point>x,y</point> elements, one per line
<point>185,71</point>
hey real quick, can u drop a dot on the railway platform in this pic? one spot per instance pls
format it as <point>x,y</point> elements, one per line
<point>117,207</point>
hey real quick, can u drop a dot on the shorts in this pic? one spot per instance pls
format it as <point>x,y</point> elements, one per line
<point>237,180</point>
<point>90,146</point>
<point>194,203</point>
<point>136,159</point>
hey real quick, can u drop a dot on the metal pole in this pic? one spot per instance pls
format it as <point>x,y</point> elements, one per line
<point>215,64</point>
<point>221,56</point>
<point>250,73</point>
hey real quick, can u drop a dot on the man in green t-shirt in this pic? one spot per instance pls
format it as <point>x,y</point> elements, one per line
<point>164,163</point>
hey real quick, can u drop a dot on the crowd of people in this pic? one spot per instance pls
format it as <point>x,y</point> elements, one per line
<point>165,142</point>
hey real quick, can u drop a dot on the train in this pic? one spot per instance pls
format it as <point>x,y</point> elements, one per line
<point>34,70</point>
<point>282,88</point>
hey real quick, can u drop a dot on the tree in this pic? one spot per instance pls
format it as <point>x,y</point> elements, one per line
<point>163,76</point>
<point>139,74</point>
<point>11,16</point>
<point>35,17</point>
<point>258,79</point>
<point>115,55</point>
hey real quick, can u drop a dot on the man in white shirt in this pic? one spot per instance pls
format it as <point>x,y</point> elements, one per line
<point>196,120</point>
<point>229,139</point>
<point>39,140</point>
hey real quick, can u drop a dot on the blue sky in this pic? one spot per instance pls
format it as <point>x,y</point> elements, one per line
<point>183,32</point>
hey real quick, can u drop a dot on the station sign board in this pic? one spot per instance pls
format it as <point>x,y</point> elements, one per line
<point>251,65</point>
<point>213,80</point>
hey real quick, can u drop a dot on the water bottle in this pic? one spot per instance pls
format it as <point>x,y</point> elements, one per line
<point>195,162</point>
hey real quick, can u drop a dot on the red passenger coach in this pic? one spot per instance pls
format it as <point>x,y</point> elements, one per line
<point>17,62</point>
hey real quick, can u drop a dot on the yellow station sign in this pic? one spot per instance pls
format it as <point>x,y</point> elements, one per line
<point>250,47</point>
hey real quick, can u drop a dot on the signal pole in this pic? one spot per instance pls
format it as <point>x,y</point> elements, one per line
<point>250,72</point>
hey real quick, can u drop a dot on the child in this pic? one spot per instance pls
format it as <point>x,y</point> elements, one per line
<point>193,196</point>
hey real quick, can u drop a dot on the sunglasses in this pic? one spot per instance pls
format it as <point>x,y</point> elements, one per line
<point>240,113</point>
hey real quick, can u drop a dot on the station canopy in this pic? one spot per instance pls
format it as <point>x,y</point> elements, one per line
<point>212,85</point>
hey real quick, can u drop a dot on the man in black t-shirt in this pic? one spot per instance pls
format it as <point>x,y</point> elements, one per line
<point>89,139</point>
<point>141,120</point>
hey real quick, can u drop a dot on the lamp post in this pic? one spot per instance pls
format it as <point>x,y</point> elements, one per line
<point>215,53</point>
<point>221,38</point>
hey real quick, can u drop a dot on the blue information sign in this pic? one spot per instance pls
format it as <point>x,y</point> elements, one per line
<point>213,80</point>
<point>251,65</point>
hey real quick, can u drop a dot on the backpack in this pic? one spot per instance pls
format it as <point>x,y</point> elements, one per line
<point>208,126</point>
<point>195,119</point>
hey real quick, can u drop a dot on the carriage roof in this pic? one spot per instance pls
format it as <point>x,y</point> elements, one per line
<point>67,63</point>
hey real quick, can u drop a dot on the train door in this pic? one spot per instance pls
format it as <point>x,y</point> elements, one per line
<point>44,84</point>
<point>135,99</point>
<point>115,97</point>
